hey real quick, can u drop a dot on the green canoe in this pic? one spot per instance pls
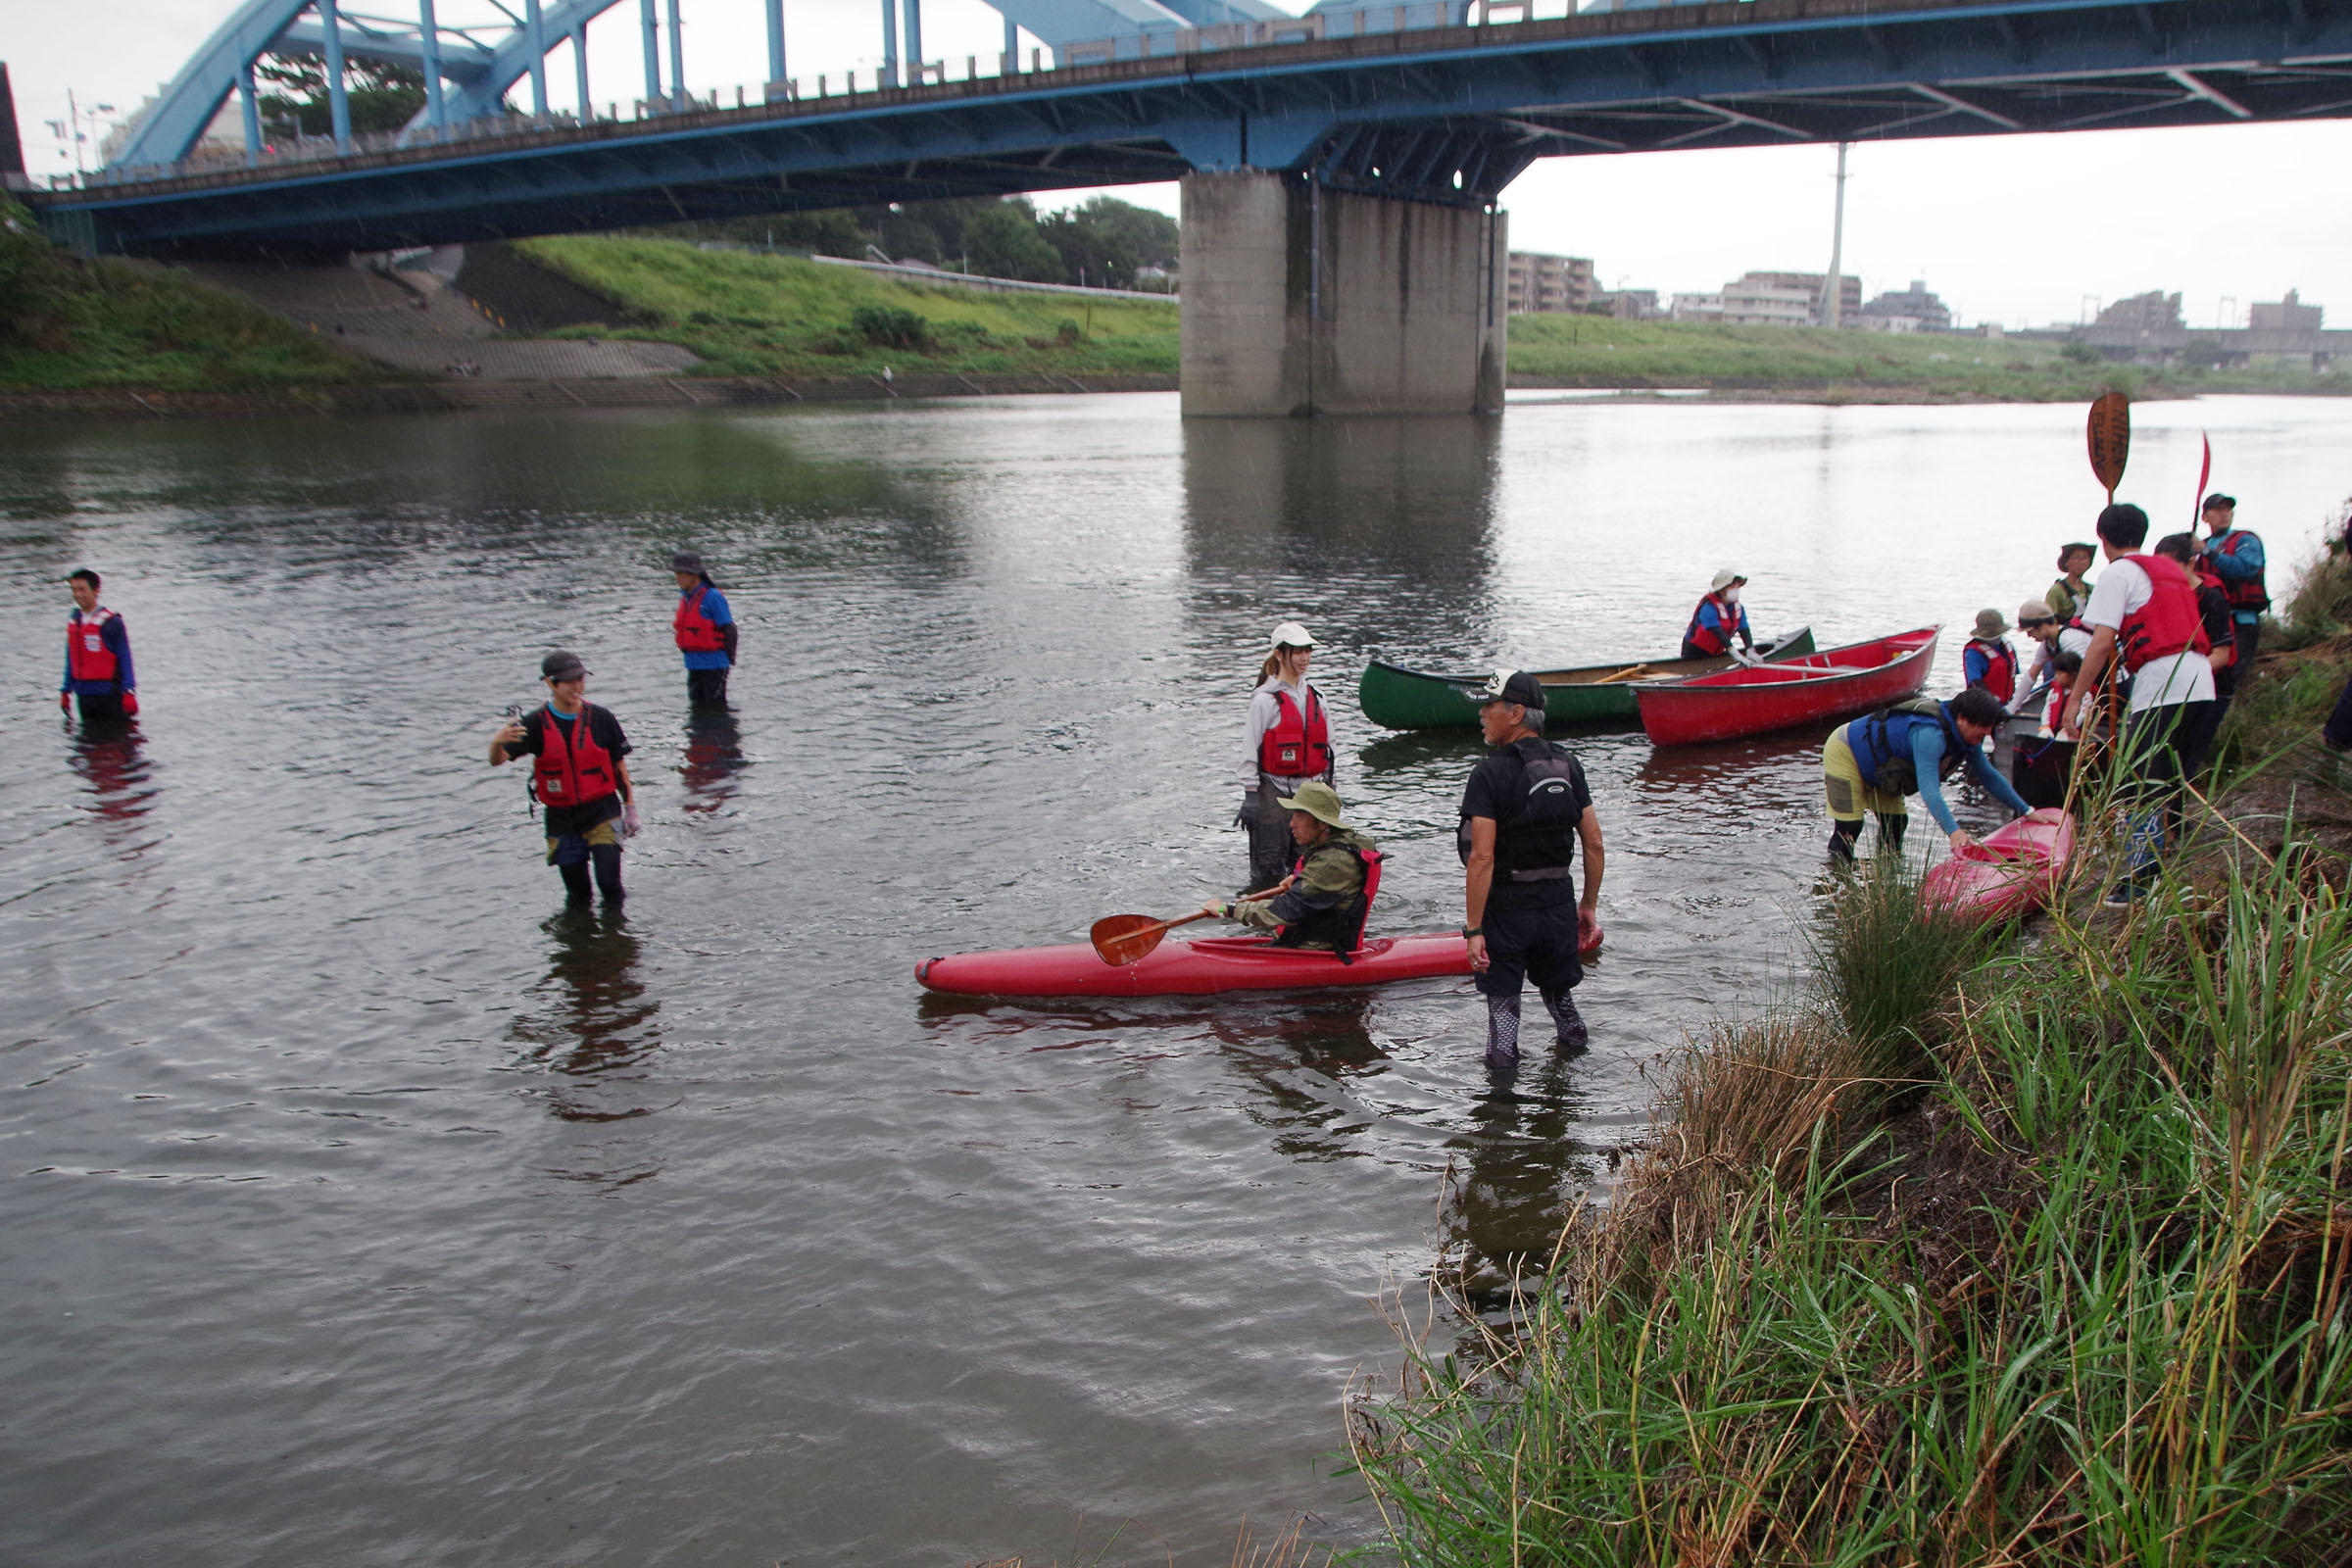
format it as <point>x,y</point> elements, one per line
<point>1597,693</point>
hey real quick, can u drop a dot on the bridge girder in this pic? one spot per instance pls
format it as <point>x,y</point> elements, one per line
<point>1419,108</point>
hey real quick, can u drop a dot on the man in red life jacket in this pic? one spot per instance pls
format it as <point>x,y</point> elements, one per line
<point>1720,620</point>
<point>1324,900</point>
<point>1527,815</point>
<point>704,628</point>
<point>98,673</point>
<point>578,776</point>
<point>2235,556</point>
<point>2144,612</point>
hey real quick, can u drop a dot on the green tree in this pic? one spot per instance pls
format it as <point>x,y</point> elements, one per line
<point>1003,242</point>
<point>381,97</point>
<point>1103,241</point>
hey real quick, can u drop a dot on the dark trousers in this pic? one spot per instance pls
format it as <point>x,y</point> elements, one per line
<point>707,688</point>
<point>606,857</point>
<point>2338,732</point>
<point>101,709</point>
<point>1272,850</point>
<point>2160,752</point>
<point>2246,641</point>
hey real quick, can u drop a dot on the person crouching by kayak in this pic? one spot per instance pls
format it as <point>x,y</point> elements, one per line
<point>578,776</point>
<point>1719,621</point>
<point>1526,815</point>
<point>1285,742</point>
<point>1324,899</point>
<point>704,629</point>
<point>1909,748</point>
<point>98,671</point>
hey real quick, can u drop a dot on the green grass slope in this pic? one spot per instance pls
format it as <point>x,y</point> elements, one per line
<point>67,325</point>
<point>754,315</point>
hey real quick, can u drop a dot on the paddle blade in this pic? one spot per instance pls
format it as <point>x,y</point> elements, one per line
<point>1121,938</point>
<point>2110,438</point>
<point>2204,476</point>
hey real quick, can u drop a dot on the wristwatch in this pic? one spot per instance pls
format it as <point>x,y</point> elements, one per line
<point>1470,931</point>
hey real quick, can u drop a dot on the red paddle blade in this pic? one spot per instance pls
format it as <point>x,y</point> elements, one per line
<point>2110,438</point>
<point>1121,939</point>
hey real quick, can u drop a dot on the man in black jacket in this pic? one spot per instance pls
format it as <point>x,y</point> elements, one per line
<point>1526,813</point>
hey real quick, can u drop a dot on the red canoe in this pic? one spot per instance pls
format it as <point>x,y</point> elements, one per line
<point>2004,874</point>
<point>1192,968</point>
<point>1835,683</point>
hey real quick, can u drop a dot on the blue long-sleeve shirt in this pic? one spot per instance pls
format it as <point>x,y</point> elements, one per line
<point>714,610</point>
<point>1731,629</point>
<point>1927,753</point>
<point>117,643</point>
<point>2245,562</point>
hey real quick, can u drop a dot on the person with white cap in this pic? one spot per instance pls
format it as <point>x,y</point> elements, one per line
<point>1720,620</point>
<point>1527,813</point>
<point>1323,902</point>
<point>1285,742</point>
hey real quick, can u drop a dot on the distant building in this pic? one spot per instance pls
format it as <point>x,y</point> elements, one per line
<point>2153,313</point>
<point>1541,284</point>
<point>1627,304</point>
<point>1786,299</point>
<point>2288,315</point>
<point>1697,308</point>
<point>1913,310</point>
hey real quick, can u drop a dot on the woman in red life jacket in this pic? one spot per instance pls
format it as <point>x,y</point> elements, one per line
<point>1285,742</point>
<point>578,776</point>
<point>704,628</point>
<point>98,673</point>
<point>1719,621</point>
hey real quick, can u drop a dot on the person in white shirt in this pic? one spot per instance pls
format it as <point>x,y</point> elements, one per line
<point>2144,615</point>
<point>1285,742</point>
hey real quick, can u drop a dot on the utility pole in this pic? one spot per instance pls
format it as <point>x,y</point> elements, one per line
<point>1833,290</point>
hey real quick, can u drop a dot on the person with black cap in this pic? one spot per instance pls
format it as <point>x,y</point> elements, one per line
<point>1324,900</point>
<point>1286,740</point>
<point>705,628</point>
<point>1719,621</point>
<point>2235,556</point>
<point>578,776</point>
<point>1526,815</point>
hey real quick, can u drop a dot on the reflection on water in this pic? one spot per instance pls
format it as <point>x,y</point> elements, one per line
<point>1522,1163</point>
<point>113,765</point>
<point>713,759</point>
<point>599,1029</point>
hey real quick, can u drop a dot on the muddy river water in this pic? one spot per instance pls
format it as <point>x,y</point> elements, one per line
<point>358,1205</point>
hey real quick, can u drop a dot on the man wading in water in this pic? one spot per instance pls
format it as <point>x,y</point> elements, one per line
<point>577,777</point>
<point>1525,814</point>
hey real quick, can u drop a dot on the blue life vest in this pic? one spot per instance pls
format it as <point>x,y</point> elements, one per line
<point>1882,745</point>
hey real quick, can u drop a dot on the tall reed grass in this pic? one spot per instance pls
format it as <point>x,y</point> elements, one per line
<point>2080,1298</point>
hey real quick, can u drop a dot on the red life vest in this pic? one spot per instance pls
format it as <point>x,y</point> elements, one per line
<point>2000,668</point>
<point>86,653</point>
<point>1716,639</point>
<point>1297,745</point>
<point>697,633</point>
<point>2167,623</point>
<point>577,772</point>
<point>2242,593</point>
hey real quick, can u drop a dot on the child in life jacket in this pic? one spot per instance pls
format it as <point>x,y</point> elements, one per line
<point>2064,667</point>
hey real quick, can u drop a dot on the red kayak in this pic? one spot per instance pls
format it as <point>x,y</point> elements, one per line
<point>1835,683</point>
<point>1192,968</point>
<point>2004,874</point>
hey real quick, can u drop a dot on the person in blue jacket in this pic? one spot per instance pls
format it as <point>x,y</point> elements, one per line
<point>704,629</point>
<point>1910,749</point>
<point>98,673</point>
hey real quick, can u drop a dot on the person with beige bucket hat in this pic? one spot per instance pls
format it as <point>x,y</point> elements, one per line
<point>1323,901</point>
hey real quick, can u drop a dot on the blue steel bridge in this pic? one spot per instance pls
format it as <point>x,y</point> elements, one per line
<point>1442,102</point>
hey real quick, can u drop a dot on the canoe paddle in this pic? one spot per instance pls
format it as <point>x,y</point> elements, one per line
<point>2110,434</point>
<point>1123,939</point>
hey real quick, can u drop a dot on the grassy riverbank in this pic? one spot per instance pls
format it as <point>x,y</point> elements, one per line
<point>756,315</point>
<point>1982,1252</point>
<point>66,323</point>
<point>1586,351</point>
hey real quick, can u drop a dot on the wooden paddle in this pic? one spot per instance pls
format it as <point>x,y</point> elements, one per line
<point>2110,439</point>
<point>1122,939</point>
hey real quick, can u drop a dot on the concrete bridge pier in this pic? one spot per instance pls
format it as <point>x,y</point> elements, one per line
<point>1300,300</point>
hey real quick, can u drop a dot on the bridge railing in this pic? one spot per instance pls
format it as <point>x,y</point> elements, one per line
<point>216,157</point>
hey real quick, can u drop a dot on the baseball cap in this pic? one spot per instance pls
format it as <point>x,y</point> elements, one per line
<point>561,665</point>
<point>1290,634</point>
<point>1513,686</point>
<point>2217,499</point>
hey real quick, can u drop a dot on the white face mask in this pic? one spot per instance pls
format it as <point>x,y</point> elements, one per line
<point>1731,595</point>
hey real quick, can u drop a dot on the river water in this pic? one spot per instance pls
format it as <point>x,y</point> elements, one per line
<point>358,1205</point>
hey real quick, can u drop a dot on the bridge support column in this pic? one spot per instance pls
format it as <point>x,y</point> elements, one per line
<point>1304,301</point>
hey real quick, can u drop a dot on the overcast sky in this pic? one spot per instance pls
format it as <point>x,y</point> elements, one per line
<point>2016,229</point>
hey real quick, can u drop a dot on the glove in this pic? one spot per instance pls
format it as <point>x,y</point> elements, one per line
<point>1246,816</point>
<point>130,704</point>
<point>628,821</point>
<point>64,702</point>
